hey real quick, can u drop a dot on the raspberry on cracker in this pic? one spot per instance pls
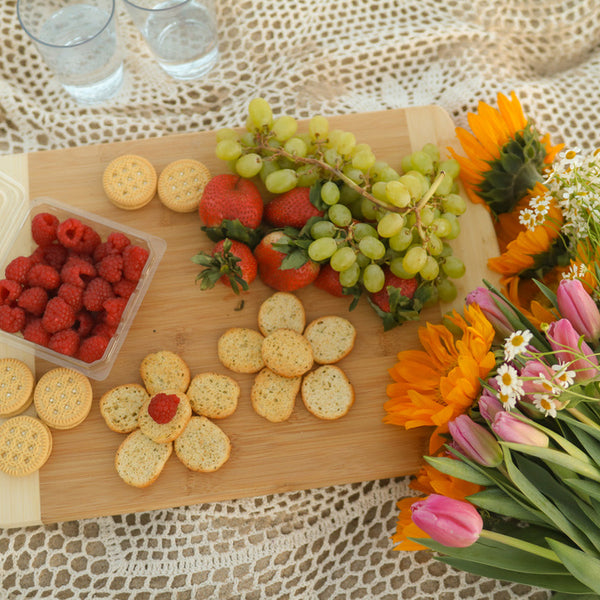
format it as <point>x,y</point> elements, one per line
<point>164,416</point>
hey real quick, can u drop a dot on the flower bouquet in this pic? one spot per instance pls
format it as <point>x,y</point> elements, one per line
<point>511,387</point>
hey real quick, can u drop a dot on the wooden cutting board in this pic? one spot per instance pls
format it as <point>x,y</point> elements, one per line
<point>79,479</point>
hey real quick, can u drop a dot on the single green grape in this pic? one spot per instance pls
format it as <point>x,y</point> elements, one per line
<point>340,215</point>
<point>368,209</point>
<point>402,240</point>
<point>308,175</point>
<point>349,195</point>
<point>454,203</point>
<point>372,248</point>
<point>284,128</point>
<point>260,113</point>
<point>406,163</point>
<point>248,165</point>
<point>414,259</point>
<point>318,127</point>
<point>322,229</point>
<point>296,146</point>
<point>413,184</point>
<point>363,230</point>
<point>228,150</point>
<point>434,245</point>
<point>422,162</point>
<point>350,276</point>
<point>451,167</point>
<point>332,157</point>
<point>268,167</point>
<point>433,151</point>
<point>427,216</point>
<point>362,261</point>
<point>322,248</point>
<point>442,227</point>
<point>425,181</point>
<point>373,278</point>
<point>343,258</point>
<point>247,139</point>
<point>397,268</point>
<point>388,174</point>
<point>355,175</point>
<point>390,224</point>
<point>362,147</point>
<point>434,297</point>
<point>445,186</point>
<point>346,143</point>
<point>330,193</point>
<point>397,194</point>
<point>453,219</point>
<point>447,291</point>
<point>430,270</point>
<point>281,181</point>
<point>378,190</point>
<point>363,160</point>
<point>453,267</point>
<point>227,133</point>
<point>378,168</point>
<point>334,137</point>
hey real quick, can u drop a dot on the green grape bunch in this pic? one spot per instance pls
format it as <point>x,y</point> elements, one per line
<point>376,219</point>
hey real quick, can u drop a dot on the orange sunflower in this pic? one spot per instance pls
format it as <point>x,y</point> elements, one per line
<point>505,155</point>
<point>433,386</point>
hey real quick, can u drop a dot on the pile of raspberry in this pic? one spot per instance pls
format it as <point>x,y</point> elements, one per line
<point>70,294</point>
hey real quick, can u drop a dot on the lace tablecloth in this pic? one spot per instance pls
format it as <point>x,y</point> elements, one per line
<point>305,57</point>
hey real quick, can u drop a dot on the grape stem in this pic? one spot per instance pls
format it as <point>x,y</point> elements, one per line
<point>281,152</point>
<point>424,200</point>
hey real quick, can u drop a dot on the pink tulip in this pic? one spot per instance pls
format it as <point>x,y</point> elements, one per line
<point>475,441</point>
<point>489,405</point>
<point>450,522</point>
<point>580,358</point>
<point>510,429</point>
<point>534,376</point>
<point>575,304</point>
<point>487,303</point>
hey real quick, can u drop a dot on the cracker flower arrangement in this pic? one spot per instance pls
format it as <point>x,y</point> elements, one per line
<point>511,387</point>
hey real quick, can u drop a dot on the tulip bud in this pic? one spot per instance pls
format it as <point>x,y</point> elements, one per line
<point>510,429</point>
<point>453,523</point>
<point>487,303</point>
<point>489,405</point>
<point>536,378</point>
<point>580,358</point>
<point>576,305</point>
<point>475,441</point>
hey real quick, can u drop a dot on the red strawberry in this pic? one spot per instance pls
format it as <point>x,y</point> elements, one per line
<point>162,407</point>
<point>407,287</point>
<point>269,266</point>
<point>230,262</point>
<point>230,197</point>
<point>291,209</point>
<point>329,281</point>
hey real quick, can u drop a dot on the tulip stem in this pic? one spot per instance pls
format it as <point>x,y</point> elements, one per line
<point>520,545</point>
<point>582,418</point>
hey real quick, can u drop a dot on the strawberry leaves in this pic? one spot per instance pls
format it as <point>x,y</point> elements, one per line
<point>234,230</point>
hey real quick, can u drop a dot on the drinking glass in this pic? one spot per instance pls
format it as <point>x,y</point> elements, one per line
<point>78,40</point>
<point>182,34</point>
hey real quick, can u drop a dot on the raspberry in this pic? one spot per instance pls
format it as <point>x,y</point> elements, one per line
<point>119,241</point>
<point>97,291</point>
<point>72,295</point>
<point>37,257</point>
<point>65,341</point>
<point>9,291</point>
<point>111,268</point>
<point>162,407</point>
<point>92,348</point>
<point>70,233</point>
<point>77,272</point>
<point>58,315</point>
<point>134,259</point>
<point>12,318</point>
<point>124,288</point>
<point>114,308</point>
<point>103,328</point>
<point>54,255</point>
<point>18,268</point>
<point>33,300</point>
<point>43,229</point>
<point>89,241</point>
<point>35,332</point>
<point>84,323</point>
<point>102,250</point>
<point>43,276</point>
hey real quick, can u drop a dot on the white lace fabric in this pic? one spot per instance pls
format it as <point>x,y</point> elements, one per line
<point>305,57</point>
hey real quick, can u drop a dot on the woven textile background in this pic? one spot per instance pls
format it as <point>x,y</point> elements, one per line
<point>305,57</point>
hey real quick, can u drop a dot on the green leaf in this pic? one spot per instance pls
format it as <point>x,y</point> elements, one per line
<point>586,468</point>
<point>496,554</point>
<point>294,260</point>
<point>458,469</point>
<point>235,231</point>
<point>565,596</point>
<point>314,197</point>
<point>584,567</point>
<point>547,292</point>
<point>591,488</point>
<point>589,443</point>
<point>498,501</point>
<point>537,498</point>
<point>565,418</point>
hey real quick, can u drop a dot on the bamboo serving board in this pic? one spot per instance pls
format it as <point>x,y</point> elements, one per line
<point>79,479</point>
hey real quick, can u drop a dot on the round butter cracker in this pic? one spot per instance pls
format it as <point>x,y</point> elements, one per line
<point>129,181</point>
<point>25,445</point>
<point>181,184</point>
<point>16,387</point>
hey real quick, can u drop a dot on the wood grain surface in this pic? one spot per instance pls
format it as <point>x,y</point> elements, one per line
<point>79,479</point>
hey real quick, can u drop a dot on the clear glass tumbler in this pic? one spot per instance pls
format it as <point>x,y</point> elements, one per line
<point>78,40</point>
<point>182,34</point>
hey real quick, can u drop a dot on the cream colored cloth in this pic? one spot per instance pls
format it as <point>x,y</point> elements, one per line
<point>305,57</point>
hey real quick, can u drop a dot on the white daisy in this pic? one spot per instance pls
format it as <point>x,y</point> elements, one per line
<point>509,382</point>
<point>527,218</point>
<point>508,401</point>
<point>516,343</point>
<point>546,404</point>
<point>563,377</point>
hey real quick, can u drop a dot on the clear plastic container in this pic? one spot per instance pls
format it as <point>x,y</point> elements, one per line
<point>16,240</point>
